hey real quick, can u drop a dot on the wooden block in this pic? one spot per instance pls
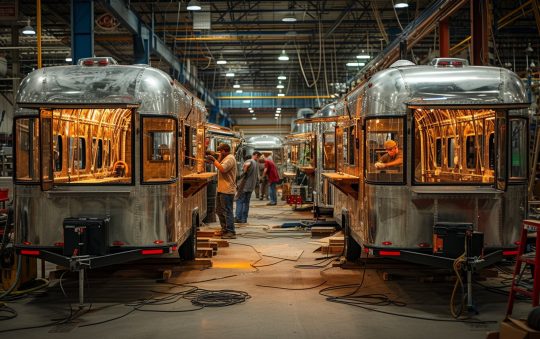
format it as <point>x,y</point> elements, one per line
<point>221,242</point>
<point>203,239</point>
<point>331,249</point>
<point>166,275</point>
<point>213,244</point>
<point>335,242</point>
<point>204,252</point>
<point>205,234</point>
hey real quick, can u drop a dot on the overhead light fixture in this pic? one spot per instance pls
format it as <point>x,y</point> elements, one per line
<point>283,56</point>
<point>289,17</point>
<point>281,94</point>
<point>276,115</point>
<point>239,91</point>
<point>529,48</point>
<point>282,77</point>
<point>363,55</point>
<point>276,118</point>
<point>236,85</point>
<point>401,4</point>
<point>28,30</point>
<point>69,59</point>
<point>253,118</point>
<point>229,74</point>
<point>221,61</point>
<point>246,101</point>
<point>193,5</point>
<point>278,109</point>
<point>280,85</point>
<point>356,64</point>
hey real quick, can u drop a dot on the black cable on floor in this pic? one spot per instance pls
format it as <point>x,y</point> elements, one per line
<point>6,312</point>
<point>293,289</point>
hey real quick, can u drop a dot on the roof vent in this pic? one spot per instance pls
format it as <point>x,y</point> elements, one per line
<point>449,62</point>
<point>402,63</point>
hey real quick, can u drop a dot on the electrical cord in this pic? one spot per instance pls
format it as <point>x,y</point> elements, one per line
<point>293,289</point>
<point>6,312</point>
<point>459,283</point>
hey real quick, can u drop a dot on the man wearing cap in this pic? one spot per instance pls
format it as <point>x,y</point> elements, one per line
<point>226,189</point>
<point>392,158</point>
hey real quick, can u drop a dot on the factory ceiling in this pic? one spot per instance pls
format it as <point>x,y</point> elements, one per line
<point>324,37</point>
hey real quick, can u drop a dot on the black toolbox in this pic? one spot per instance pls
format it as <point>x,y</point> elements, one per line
<point>86,236</point>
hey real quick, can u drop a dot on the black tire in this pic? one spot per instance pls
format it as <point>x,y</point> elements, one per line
<point>352,249</point>
<point>188,249</point>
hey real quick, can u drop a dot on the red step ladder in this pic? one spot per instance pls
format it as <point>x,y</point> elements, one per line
<point>528,231</point>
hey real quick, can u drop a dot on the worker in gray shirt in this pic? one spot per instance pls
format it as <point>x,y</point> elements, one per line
<point>246,186</point>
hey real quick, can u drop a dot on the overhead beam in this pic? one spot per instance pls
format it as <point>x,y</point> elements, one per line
<point>132,22</point>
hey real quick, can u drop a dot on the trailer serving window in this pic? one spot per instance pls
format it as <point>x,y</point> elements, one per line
<point>453,146</point>
<point>27,150</point>
<point>158,149</point>
<point>518,149</point>
<point>385,144</point>
<point>329,147</point>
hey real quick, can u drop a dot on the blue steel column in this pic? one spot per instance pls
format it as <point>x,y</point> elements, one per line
<point>214,114</point>
<point>141,47</point>
<point>82,29</point>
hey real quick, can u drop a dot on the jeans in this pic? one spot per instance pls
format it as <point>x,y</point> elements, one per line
<point>272,196</point>
<point>242,206</point>
<point>224,211</point>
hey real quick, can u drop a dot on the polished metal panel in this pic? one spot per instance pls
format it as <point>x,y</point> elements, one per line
<point>403,216</point>
<point>140,214</point>
<point>389,91</point>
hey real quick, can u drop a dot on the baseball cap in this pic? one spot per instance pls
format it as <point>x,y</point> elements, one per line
<point>390,144</point>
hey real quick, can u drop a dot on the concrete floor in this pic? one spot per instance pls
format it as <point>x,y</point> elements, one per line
<point>296,312</point>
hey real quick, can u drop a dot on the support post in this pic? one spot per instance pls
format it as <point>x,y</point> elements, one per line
<point>444,39</point>
<point>82,34</point>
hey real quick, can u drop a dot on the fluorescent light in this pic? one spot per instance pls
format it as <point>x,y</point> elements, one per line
<point>253,118</point>
<point>276,118</point>
<point>289,18</point>
<point>283,56</point>
<point>221,61</point>
<point>278,109</point>
<point>356,64</point>
<point>280,86</point>
<point>246,101</point>
<point>282,77</point>
<point>236,85</point>
<point>69,59</point>
<point>401,4</point>
<point>229,74</point>
<point>28,30</point>
<point>239,91</point>
<point>193,5</point>
<point>363,55</point>
<point>281,94</point>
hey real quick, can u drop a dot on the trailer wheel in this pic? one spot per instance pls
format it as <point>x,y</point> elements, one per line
<point>352,249</point>
<point>188,250</point>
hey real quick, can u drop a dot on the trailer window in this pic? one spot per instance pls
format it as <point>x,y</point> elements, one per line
<point>329,147</point>
<point>518,149</point>
<point>58,153</point>
<point>27,150</point>
<point>385,151</point>
<point>348,145</point>
<point>77,154</point>
<point>190,145</point>
<point>470,150</point>
<point>97,153</point>
<point>159,149</point>
<point>451,146</point>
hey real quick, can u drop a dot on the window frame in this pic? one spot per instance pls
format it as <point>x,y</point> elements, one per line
<point>142,159</point>
<point>402,144</point>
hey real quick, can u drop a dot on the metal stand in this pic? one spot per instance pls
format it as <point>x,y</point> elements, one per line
<point>81,287</point>
<point>470,265</point>
<point>80,263</point>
